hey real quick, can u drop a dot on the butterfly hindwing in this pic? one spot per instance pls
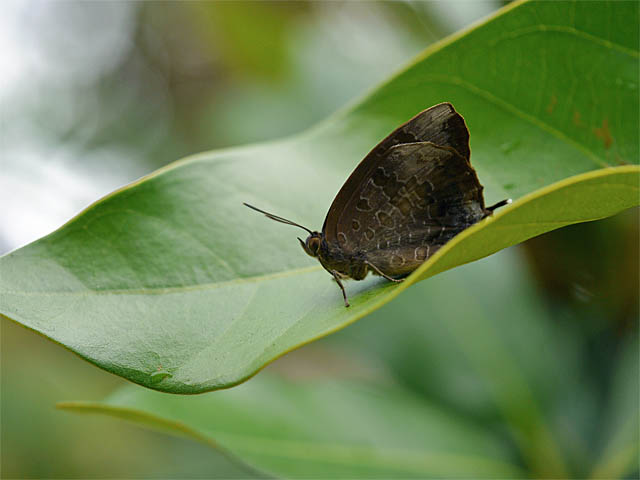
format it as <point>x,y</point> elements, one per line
<point>423,196</point>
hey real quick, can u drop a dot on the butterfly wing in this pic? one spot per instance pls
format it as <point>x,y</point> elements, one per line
<point>411,194</point>
<point>440,124</point>
<point>420,198</point>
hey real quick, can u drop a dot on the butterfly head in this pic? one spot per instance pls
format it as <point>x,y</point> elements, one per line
<point>312,244</point>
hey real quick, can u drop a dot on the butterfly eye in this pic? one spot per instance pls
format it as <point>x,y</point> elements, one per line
<point>313,244</point>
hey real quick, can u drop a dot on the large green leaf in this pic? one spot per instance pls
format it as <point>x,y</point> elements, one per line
<point>505,368</point>
<point>173,284</point>
<point>320,429</point>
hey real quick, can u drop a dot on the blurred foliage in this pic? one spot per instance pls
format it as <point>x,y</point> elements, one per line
<point>605,285</point>
<point>169,82</point>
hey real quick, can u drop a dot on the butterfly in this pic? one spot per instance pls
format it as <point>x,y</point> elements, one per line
<point>410,195</point>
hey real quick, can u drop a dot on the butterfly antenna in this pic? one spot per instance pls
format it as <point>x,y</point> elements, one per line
<point>277,218</point>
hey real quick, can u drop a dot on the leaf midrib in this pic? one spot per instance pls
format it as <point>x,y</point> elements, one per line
<point>177,289</point>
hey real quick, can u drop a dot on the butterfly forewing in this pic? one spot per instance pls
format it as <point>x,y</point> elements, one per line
<point>440,124</point>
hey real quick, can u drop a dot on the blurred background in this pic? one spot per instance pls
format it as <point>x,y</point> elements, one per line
<point>96,94</point>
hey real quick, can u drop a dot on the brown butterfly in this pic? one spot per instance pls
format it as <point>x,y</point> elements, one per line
<point>409,196</point>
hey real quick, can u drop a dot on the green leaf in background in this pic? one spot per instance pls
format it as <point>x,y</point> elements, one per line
<point>326,429</point>
<point>620,444</point>
<point>171,283</point>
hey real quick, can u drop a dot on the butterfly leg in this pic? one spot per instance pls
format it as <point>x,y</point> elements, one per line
<point>344,293</point>
<point>498,205</point>
<point>382,274</point>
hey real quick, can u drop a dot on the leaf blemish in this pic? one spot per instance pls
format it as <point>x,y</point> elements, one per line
<point>604,134</point>
<point>159,374</point>
<point>552,104</point>
<point>577,119</point>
